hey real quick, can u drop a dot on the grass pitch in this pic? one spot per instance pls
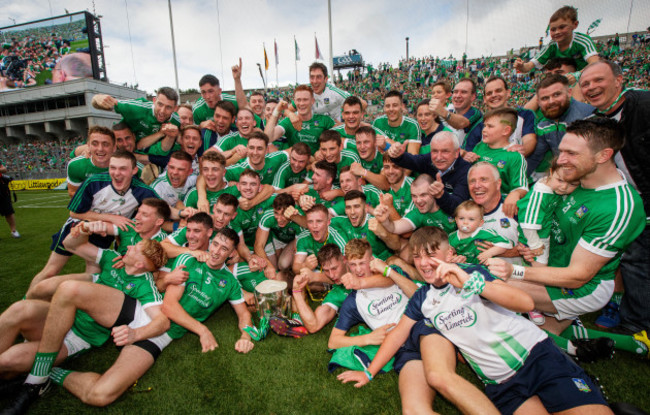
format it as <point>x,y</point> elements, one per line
<point>280,376</point>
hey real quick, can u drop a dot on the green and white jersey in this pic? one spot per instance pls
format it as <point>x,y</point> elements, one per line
<point>205,290</point>
<point>511,165</point>
<point>80,168</point>
<point>270,224</point>
<point>310,132</point>
<point>306,245</point>
<point>581,49</point>
<point>438,218</point>
<point>249,220</point>
<point>349,232</point>
<point>375,165</point>
<point>336,296</point>
<point>347,158</point>
<point>468,246</point>
<point>192,197</point>
<point>272,164</point>
<point>604,221</point>
<point>230,141</point>
<point>130,237</point>
<point>247,279</point>
<point>330,101</point>
<point>170,194</point>
<point>372,199</point>
<point>157,150</point>
<point>494,341</point>
<point>138,115</point>
<point>285,176</point>
<point>536,209</point>
<point>201,112</point>
<point>407,132</point>
<point>402,197</point>
<point>497,221</point>
<point>333,205</point>
<point>141,287</point>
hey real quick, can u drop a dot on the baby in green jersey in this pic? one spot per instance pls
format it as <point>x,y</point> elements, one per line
<point>466,240</point>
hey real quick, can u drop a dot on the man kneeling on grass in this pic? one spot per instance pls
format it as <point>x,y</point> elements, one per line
<point>523,370</point>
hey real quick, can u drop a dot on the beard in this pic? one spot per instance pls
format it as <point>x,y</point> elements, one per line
<point>555,111</point>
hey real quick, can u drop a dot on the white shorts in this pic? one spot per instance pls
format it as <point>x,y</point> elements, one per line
<point>570,308</point>
<point>273,246</point>
<point>75,344</point>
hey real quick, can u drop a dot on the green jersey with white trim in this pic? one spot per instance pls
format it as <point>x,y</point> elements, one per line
<point>375,165</point>
<point>130,237</point>
<point>230,141</point>
<point>310,132</point>
<point>333,205</point>
<point>249,220</point>
<point>305,244</point>
<point>536,209</point>
<point>402,197</point>
<point>205,290</point>
<point>347,158</point>
<point>407,132</point>
<point>141,287</point>
<point>468,246</point>
<point>284,234</point>
<point>511,165</point>
<point>438,218</point>
<point>201,112</point>
<point>80,168</point>
<point>192,197</point>
<point>372,199</point>
<point>580,49</point>
<point>336,296</point>
<point>349,232</point>
<point>138,115</point>
<point>285,176</point>
<point>604,221</point>
<point>247,279</point>
<point>272,163</point>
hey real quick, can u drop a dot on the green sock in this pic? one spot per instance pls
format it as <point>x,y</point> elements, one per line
<point>616,298</point>
<point>58,375</point>
<point>623,342</point>
<point>561,342</point>
<point>43,364</point>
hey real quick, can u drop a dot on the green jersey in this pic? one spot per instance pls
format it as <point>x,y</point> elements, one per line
<point>272,164</point>
<point>283,234</point>
<point>347,158</point>
<point>603,221</point>
<point>408,131</point>
<point>249,220</point>
<point>336,296</point>
<point>130,237</point>
<point>205,290</point>
<point>536,209</point>
<point>349,232</point>
<point>511,165</point>
<point>333,205</point>
<point>201,112</point>
<point>157,150</point>
<point>372,199</point>
<point>306,245</point>
<point>310,132</point>
<point>374,165</point>
<point>192,197</point>
<point>468,246</point>
<point>138,115</point>
<point>402,197</point>
<point>438,218</point>
<point>285,176</point>
<point>80,168</point>
<point>230,141</point>
<point>247,279</point>
<point>141,287</point>
<point>580,49</point>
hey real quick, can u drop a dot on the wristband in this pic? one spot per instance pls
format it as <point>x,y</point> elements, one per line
<point>179,213</point>
<point>386,146</point>
<point>296,291</point>
<point>448,116</point>
<point>175,226</point>
<point>474,285</point>
<point>387,271</point>
<point>518,272</point>
<point>365,172</point>
<point>275,113</point>
<point>575,74</point>
<point>367,373</point>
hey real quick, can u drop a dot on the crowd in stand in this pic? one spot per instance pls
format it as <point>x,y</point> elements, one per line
<point>485,226</point>
<point>38,156</point>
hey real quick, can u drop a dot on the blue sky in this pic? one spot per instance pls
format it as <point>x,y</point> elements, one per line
<point>211,42</point>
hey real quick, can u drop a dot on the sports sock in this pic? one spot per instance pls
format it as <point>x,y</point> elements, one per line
<point>616,298</point>
<point>563,343</point>
<point>58,375</point>
<point>623,342</point>
<point>42,367</point>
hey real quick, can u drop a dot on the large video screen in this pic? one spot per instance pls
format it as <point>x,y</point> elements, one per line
<point>51,50</point>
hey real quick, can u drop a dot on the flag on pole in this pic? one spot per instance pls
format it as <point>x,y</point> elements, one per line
<point>548,29</point>
<point>593,26</point>
<point>275,45</point>
<point>318,54</point>
<point>297,48</point>
<point>266,60</point>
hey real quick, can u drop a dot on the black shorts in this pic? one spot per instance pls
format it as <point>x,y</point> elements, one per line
<point>411,348</point>
<point>126,316</point>
<point>6,208</point>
